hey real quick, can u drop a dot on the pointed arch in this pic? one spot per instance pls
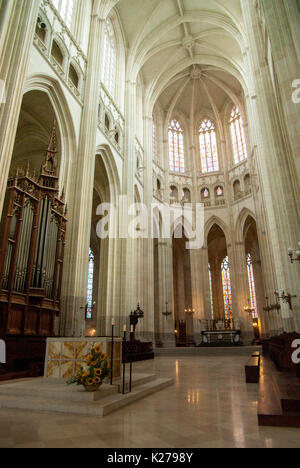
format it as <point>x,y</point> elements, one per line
<point>241,223</point>
<point>210,223</point>
<point>53,89</point>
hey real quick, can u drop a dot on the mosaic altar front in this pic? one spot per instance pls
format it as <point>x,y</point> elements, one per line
<point>65,356</point>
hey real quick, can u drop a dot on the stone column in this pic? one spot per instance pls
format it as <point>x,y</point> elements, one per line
<point>165,281</point>
<point>127,245</point>
<point>81,198</point>
<point>275,161</point>
<point>17,26</point>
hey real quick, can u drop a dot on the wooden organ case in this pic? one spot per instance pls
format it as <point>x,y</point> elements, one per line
<point>32,237</point>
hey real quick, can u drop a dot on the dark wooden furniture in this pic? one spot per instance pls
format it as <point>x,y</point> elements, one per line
<point>280,350</point>
<point>32,240</point>
<point>135,351</point>
<point>252,369</point>
<point>279,397</point>
<point>279,388</point>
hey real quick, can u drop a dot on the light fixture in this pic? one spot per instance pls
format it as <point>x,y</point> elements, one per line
<point>249,309</point>
<point>294,254</point>
<point>167,313</point>
<point>285,297</point>
<point>189,311</point>
<point>271,307</point>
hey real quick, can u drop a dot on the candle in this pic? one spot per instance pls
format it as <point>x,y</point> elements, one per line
<point>113,322</point>
<point>132,329</point>
<point>125,329</point>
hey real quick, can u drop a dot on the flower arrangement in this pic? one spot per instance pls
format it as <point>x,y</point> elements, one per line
<point>96,370</point>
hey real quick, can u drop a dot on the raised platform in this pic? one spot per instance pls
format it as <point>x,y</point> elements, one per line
<point>53,395</point>
<point>211,351</point>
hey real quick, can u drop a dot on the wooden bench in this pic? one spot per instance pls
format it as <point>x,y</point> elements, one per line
<point>279,397</point>
<point>252,369</point>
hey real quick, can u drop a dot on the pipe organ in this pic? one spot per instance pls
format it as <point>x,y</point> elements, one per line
<point>32,236</point>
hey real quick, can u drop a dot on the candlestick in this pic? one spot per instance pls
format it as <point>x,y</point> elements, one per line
<point>112,354</point>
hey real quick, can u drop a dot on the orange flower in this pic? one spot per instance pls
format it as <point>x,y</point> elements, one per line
<point>93,363</point>
<point>89,357</point>
<point>98,372</point>
<point>103,356</point>
<point>97,380</point>
<point>90,382</point>
<point>98,349</point>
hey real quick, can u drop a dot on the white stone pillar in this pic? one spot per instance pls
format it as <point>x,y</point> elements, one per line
<point>17,25</point>
<point>275,162</point>
<point>81,198</point>
<point>127,245</point>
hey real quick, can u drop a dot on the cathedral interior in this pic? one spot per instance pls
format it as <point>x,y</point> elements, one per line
<point>150,215</point>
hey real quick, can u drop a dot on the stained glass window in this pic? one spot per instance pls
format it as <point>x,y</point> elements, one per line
<point>65,9</point>
<point>226,288</point>
<point>238,136</point>
<point>208,147</point>
<point>176,147</point>
<point>109,62</point>
<point>211,292</point>
<point>252,285</point>
<point>219,192</point>
<point>90,285</point>
<point>154,140</point>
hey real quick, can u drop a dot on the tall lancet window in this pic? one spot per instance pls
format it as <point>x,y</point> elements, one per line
<point>109,62</point>
<point>176,147</point>
<point>252,288</point>
<point>65,9</point>
<point>154,141</point>
<point>238,136</point>
<point>90,285</point>
<point>226,288</point>
<point>208,147</point>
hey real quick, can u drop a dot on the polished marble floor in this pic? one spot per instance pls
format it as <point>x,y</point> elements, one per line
<point>209,406</point>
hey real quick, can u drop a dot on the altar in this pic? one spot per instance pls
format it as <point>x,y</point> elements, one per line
<point>221,337</point>
<point>65,356</point>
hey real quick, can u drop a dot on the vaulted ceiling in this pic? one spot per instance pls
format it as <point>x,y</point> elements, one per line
<point>188,52</point>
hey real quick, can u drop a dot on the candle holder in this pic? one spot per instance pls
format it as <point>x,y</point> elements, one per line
<point>124,367</point>
<point>112,353</point>
<point>189,311</point>
<point>270,307</point>
<point>294,254</point>
<point>285,297</point>
<point>167,313</point>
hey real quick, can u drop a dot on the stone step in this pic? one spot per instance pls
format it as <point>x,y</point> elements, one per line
<point>39,402</point>
<point>56,390</point>
<point>137,380</point>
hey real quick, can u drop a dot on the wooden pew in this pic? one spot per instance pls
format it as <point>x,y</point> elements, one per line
<point>279,397</point>
<point>252,369</point>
